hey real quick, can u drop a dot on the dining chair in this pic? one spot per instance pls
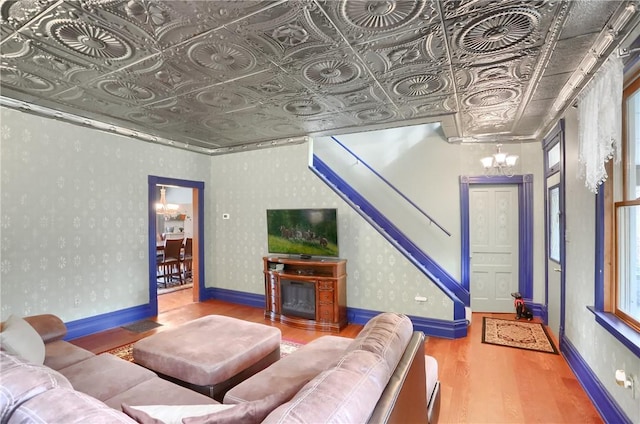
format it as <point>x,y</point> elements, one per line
<point>169,266</point>
<point>187,257</point>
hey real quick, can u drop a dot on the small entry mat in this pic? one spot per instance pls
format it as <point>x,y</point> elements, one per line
<point>141,326</point>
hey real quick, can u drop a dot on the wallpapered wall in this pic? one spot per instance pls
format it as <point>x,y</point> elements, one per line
<point>246,184</point>
<point>74,222</point>
<point>600,349</point>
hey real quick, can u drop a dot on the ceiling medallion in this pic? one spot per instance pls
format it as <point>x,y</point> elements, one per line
<point>290,35</point>
<point>222,57</point>
<point>374,115</point>
<point>491,97</point>
<point>381,15</point>
<point>24,80</point>
<point>89,40</point>
<point>126,90</point>
<point>303,107</point>
<point>418,85</point>
<point>331,72</point>
<point>498,31</point>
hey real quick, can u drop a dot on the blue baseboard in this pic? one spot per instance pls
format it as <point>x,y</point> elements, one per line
<point>234,296</point>
<point>98,323</point>
<point>602,400</point>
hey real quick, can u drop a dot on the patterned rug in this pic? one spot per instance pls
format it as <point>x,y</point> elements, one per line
<point>126,351</point>
<point>521,335</point>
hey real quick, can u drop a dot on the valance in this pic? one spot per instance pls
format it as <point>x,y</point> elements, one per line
<point>600,122</point>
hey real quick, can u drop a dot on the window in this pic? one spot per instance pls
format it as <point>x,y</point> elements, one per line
<point>624,290</point>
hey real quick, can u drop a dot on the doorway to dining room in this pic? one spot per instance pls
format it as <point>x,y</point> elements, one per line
<point>176,240</point>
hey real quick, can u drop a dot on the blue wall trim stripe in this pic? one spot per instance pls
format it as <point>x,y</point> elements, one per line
<point>438,275</point>
<point>604,403</point>
<point>86,326</point>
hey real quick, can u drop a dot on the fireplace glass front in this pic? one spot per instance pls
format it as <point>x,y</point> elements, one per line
<point>298,299</point>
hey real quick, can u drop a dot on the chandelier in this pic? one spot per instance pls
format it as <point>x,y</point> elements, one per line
<point>500,163</point>
<point>164,208</point>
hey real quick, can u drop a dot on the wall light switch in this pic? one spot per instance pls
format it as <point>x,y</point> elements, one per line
<point>226,216</point>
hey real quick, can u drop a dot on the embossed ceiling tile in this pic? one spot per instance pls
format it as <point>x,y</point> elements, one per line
<point>29,83</point>
<point>69,31</point>
<point>123,88</point>
<point>273,86</point>
<point>493,31</point>
<point>220,97</point>
<point>415,83</point>
<point>357,96</point>
<point>488,121</point>
<point>170,73</point>
<point>171,22</point>
<point>426,48</point>
<point>528,125</point>
<point>221,56</point>
<point>568,54</point>
<point>514,69</point>
<point>374,19</point>
<point>374,115</point>
<point>491,96</point>
<point>428,107</point>
<point>14,14</point>
<point>587,17</point>
<point>295,30</point>
<point>327,122</point>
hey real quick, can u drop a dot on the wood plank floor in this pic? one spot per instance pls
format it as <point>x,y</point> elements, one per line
<point>480,383</point>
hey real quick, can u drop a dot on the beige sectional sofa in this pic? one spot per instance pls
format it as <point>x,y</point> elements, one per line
<point>377,377</point>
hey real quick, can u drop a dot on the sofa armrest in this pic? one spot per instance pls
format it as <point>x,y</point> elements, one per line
<point>50,327</point>
<point>404,400</point>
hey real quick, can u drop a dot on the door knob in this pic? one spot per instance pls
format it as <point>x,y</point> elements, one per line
<point>557,269</point>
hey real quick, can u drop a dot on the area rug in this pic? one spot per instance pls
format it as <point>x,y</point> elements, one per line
<point>126,351</point>
<point>141,326</point>
<point>518,334</point>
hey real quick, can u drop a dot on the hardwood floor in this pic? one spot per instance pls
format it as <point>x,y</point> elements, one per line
<point>480,383</point>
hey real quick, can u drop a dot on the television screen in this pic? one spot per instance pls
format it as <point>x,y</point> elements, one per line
<point>304,232</point>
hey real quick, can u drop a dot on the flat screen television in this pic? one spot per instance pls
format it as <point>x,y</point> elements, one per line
<point>303,232</point>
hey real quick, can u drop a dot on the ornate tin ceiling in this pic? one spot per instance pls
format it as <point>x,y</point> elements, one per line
<point>221,76</point>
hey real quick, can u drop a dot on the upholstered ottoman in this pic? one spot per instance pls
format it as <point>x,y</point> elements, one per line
<point>210,354</point>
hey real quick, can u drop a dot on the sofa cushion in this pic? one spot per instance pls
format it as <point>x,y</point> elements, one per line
<point>346,393</point>
<point>292,372</point>
<point>20,338</point>
<point>105,375</point>
<point>243,413</point>
<point>157,391</point>
<point>22,380</point>
<point>387,335</point>
<point>61,405</point>
<point>169,414</point>
<point>49,327</point>
<point>60,354</point>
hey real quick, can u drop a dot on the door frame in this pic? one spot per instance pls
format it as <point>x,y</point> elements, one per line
<point>198,239</point>
<point>525,228</point>
<point>555,137</point>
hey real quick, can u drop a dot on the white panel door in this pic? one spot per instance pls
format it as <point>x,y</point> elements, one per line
<point>493,228</point>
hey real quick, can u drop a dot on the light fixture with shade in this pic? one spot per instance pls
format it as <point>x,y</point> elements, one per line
<point>500,163</point>
<point>164,208</point>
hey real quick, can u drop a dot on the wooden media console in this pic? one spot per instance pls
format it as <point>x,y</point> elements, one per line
<point>306,293</point>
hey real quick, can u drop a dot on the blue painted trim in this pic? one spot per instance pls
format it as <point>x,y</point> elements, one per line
<point>618,329</point>
<point>599,253</point>
<point>234,296</point>
<point>391,186</point>
<point>429,326</point>
<point>387,229</point>
<point>538,309</point>
<point>525,228</point>
<point>86,326</point>
<point>608,408</point>
<point>153,181</point>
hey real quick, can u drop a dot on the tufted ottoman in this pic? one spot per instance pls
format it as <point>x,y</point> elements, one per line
<point>210,354</point>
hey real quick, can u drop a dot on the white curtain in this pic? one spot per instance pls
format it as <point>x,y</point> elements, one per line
<point>600,122</point>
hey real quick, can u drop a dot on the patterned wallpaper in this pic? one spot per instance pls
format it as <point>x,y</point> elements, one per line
<point>246,184</point>
<point>599,348</point>
<point>74,223</point>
